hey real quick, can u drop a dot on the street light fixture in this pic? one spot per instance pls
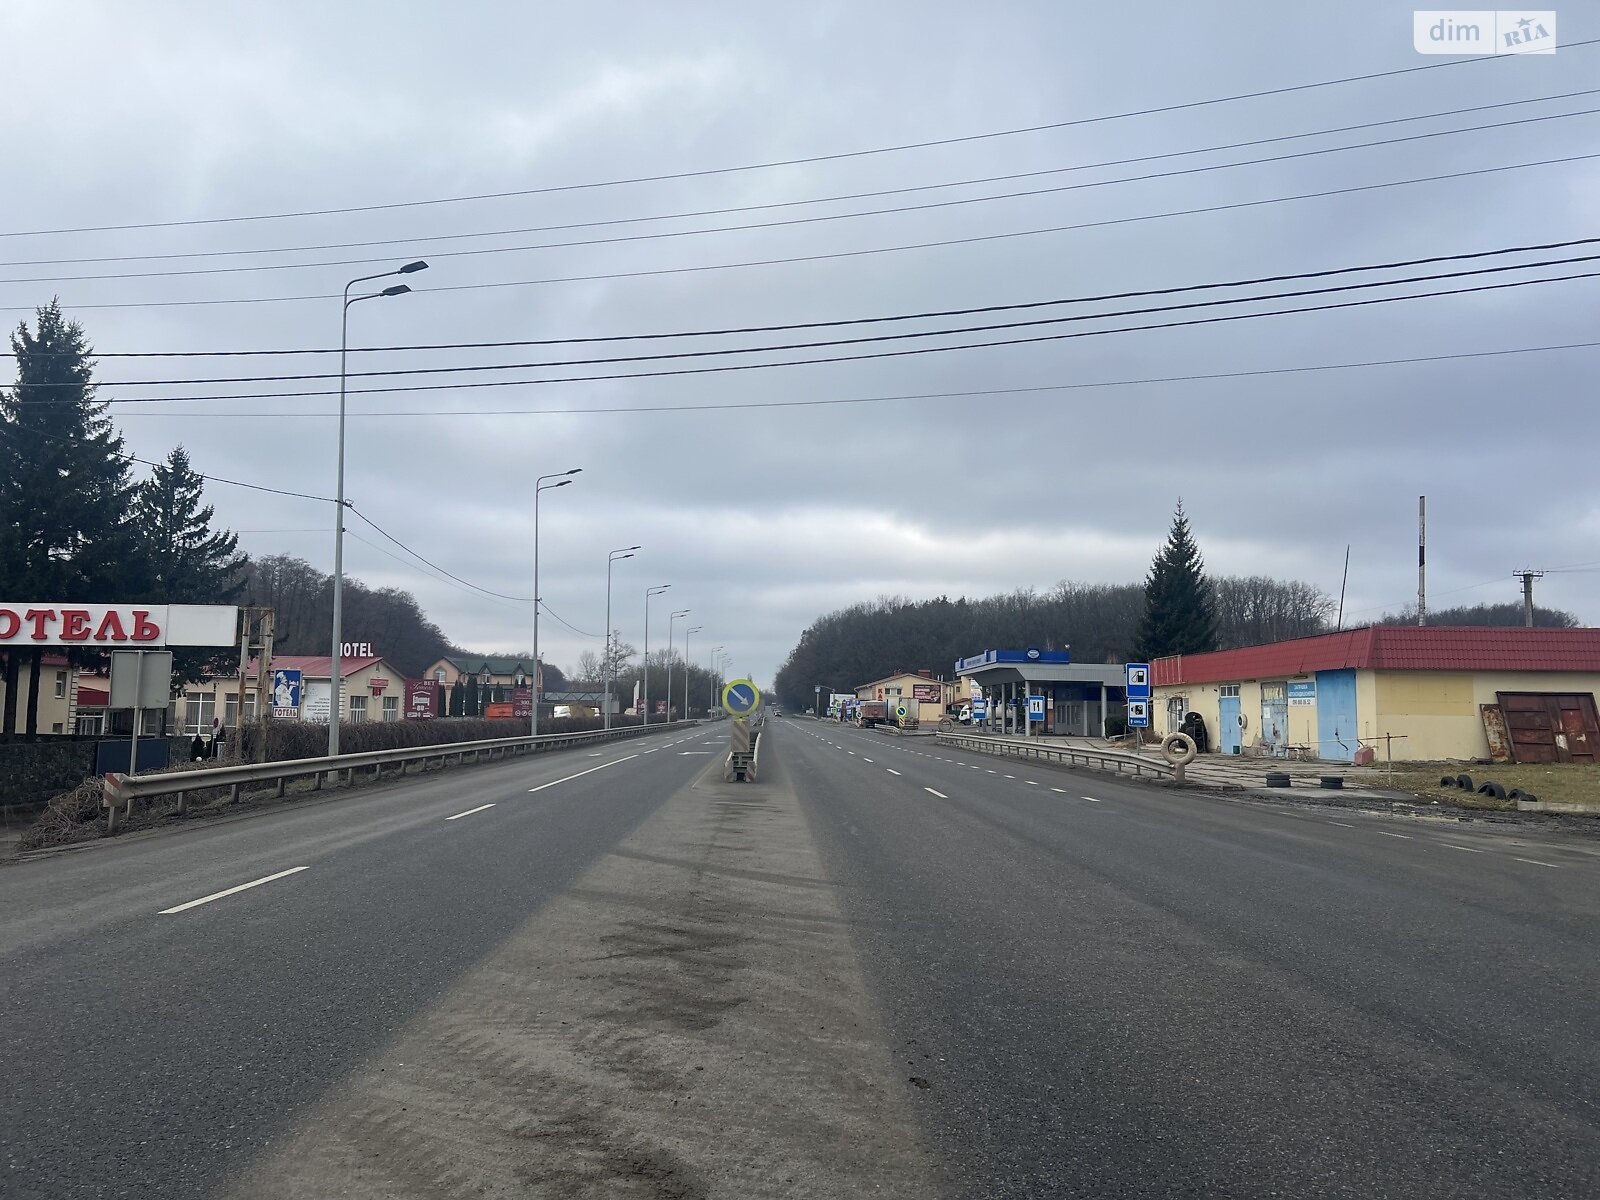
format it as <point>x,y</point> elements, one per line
<point>683,612</point>
<point>539,485</point>
<point>645,690</point>
<point>615,556</point>
<point>336,684</point>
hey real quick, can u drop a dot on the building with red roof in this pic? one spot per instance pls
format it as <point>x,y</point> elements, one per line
<point>1420,692</point>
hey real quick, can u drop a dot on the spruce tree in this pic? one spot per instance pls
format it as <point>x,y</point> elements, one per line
<point>65,492</point>
<point>1178,614</point>
<point>190,563</point>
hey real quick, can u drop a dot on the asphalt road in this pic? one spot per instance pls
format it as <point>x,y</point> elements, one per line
<point>886,969</point>
<point>1120,991</point>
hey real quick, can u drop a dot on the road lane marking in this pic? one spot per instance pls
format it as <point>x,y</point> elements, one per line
<point>1063,791</point>
<point>469,812</point>
<point>851,753</point>
<point>1468,849</point>
<point>1536,863</point>
<point>1092,800</point>
<point>686,753</point>
<point>891,770</point>
<point>580,774</point>
<point>231,891</point>
<point>941,795</point>
<point>598,753</point>
<point>1010,776</point>
<point>863,759</point>
<point>1341,824</point>
<point>1029,782</point>
<point>1386,833</point>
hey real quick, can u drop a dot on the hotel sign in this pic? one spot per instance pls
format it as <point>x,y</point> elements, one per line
<point>117,626</point>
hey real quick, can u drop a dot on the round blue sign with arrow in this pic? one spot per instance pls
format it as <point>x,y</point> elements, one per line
<point>741,697</point>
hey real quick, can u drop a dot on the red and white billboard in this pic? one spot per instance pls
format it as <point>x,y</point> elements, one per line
<point>420,694</point>
<point>522,702</point>
<point>129,626</point>
<point>926,693</point>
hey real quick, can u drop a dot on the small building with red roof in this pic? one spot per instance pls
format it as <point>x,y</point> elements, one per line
<point>1420,692</point>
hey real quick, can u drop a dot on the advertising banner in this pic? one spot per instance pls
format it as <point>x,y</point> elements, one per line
<point>36,623</point>
<point>522,702</point>
<point>420,696</point>
<point>499,712</point>
<point>926,693</point>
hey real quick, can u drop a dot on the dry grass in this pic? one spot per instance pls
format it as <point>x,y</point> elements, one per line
<point>1562,782</point>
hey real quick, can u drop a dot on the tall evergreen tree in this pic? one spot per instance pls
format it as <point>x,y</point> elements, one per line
<point>190,562</point>
<point>1179,617</point>
<point>65,492</point>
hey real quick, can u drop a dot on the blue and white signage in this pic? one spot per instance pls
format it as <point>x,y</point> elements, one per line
<point>1138,681</point>
<point>1138,714</point>
<point>286,694</point>
<point>1035,708</point>
<point>1302,695</point>
<point>980,710</point>
<point>741,697</point>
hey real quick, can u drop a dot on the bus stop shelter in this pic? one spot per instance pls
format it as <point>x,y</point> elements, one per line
<point>1079,697</point>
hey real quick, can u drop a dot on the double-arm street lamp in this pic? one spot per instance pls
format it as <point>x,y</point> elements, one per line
<point>539,485</point>
<point>682,612</point>
<point>645,690</point>
<point>336,686</point>
<point>606,665</point>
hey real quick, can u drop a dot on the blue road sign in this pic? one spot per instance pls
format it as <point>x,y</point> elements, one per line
<point>1138,714</point>
<point>741,697</point>
<point>1138,680</point>
<point>980,710</point>
<point>1035,708</point>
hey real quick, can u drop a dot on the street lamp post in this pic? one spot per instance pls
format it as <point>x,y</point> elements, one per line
<point>719,663</point>
<point>539,485</point>
<point>648,592</point>
<point>711,666</point>
<point>686,633</point>
<point>670,619</point>
<point>605,666</point>
<point>336,684</point>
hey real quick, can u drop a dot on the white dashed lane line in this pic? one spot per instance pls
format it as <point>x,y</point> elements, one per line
<point>1091,800</point>
<point>1386,833</point>
<point>243,887</point>
<point>1451,845</point>
<point>941,795</point>
<point>469,812</point>
<point>891,770</point>
<point>1534,862</point>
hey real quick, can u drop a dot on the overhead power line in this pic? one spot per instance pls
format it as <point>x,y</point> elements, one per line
<point>867,251</point>
<point>425,239</point>
<point>777,163</point>
<point>884,399</point>
<point>550,612</point>
<point>420,246</point>
<point>877,354</point>
<point>1071,318</point>
<point>928,314</point>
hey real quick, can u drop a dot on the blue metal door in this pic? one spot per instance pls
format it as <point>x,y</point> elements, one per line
<point>1275,717</point>
<point>1336,715</point>
<point>1229,737</point>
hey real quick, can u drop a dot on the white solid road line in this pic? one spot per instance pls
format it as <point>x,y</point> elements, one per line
<point>230,891</point>
<point>1091,800</point>
<point>469,812</point>
<point>1386,833</point>
<point>1340,824</point>
<point>941,795</point>
<point>891,770</point>
<point>1534,862</point>
<point>1452,845</point>
<point>580,774</point>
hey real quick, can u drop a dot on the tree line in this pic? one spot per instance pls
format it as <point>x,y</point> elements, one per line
<point>1178,609</point>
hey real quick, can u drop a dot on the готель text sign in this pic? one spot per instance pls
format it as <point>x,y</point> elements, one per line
<point>36,623</point>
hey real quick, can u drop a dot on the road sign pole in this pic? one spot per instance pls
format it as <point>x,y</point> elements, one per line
<point>133,749</point>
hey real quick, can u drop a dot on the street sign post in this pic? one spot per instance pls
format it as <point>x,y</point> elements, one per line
<point>1035,708</point>
<point>1138,714</point>
<point>980,710</point>
<point>1138,681</point>
<point>740,698</point>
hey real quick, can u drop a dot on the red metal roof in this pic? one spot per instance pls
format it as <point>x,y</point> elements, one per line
<point>89,697</point>
<point>1392,648</point>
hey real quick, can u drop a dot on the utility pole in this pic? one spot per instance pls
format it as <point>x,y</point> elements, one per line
<point>1527,577</point>
<point>1422,560</point>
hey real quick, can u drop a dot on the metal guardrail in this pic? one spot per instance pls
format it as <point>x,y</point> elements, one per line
<point>1098,760</point>
<point>122,790</point>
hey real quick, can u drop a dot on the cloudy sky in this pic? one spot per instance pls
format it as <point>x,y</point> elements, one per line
<point>169,117</point>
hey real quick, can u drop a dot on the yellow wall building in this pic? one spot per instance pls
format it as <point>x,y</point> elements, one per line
<point>930,695</point>
<point>1425,693</point>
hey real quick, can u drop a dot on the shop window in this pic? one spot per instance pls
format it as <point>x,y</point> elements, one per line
<point>1228,689</point>
<point>61,687</point>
